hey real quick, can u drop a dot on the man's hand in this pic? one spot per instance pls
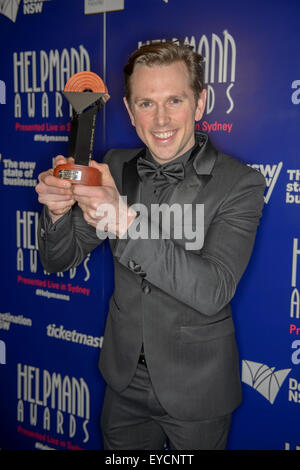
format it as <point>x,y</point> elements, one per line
<point>91,199</point>
<point>55,193</point>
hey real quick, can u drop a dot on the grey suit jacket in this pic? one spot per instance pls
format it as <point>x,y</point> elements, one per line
<point>173,300</point>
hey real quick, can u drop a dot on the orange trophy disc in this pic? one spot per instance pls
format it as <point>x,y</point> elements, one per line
<point>87,94</point>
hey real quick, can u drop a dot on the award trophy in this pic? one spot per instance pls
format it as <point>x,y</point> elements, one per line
<point>87,94</point>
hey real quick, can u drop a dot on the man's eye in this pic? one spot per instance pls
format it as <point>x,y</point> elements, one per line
<point>145,104</point>
<point>175,101</point>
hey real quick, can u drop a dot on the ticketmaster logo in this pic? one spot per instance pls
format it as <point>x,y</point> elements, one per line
<point>10,8</point>
<point>2,92</point>
<point>263,378</point>
<point>73,336</point>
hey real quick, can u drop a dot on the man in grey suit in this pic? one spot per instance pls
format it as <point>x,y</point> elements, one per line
<point>169,355</point>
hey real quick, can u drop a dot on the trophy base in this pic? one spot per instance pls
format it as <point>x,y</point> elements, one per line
<point>78,174</point>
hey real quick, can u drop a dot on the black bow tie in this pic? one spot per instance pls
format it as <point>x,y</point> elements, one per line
<point>172,172</point>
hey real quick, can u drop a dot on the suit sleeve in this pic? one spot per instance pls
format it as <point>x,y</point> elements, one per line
<point>66,243</point>
<point>205,280</point>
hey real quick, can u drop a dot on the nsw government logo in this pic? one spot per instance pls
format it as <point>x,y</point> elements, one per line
<point>263,378</point>
<point>271,174</point>
<point>10,8</point>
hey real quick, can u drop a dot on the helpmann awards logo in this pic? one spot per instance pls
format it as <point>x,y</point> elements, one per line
<point>57,405</point>
<point>263,378</point>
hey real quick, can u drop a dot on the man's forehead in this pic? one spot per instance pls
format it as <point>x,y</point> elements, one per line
<point>161,67</point>
<point>160,79</point>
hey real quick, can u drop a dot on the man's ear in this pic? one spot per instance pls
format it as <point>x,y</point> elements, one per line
<point>201,103</point>
<point>129,111</point>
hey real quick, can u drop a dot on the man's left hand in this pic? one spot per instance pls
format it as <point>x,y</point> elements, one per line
<point>91,198</point>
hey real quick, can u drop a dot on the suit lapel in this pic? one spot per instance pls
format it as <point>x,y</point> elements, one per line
<point>131,182</point>
<point>197,175</point>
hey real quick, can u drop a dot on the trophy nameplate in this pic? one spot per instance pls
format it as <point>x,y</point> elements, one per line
<point>87,94</point>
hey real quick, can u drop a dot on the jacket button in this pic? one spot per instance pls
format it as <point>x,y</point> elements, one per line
<point>146,289</point>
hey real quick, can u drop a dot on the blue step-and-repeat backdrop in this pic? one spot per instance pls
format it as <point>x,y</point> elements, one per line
<point>51,326</point>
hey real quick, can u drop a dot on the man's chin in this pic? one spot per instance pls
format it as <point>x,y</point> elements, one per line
<point>163,155</point>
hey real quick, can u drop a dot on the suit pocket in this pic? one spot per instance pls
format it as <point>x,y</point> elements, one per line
<point>201,333</point>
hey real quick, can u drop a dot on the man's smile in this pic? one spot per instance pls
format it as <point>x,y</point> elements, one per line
<point>163,136</point>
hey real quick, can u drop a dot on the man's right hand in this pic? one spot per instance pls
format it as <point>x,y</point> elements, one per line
<point>55,193</point>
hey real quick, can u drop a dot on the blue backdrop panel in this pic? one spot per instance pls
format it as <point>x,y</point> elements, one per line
<point>51,326</point>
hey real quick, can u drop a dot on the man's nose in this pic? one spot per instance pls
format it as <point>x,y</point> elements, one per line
<point>162,116</point>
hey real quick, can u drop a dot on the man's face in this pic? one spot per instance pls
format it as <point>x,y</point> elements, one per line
<point>163,110</point>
